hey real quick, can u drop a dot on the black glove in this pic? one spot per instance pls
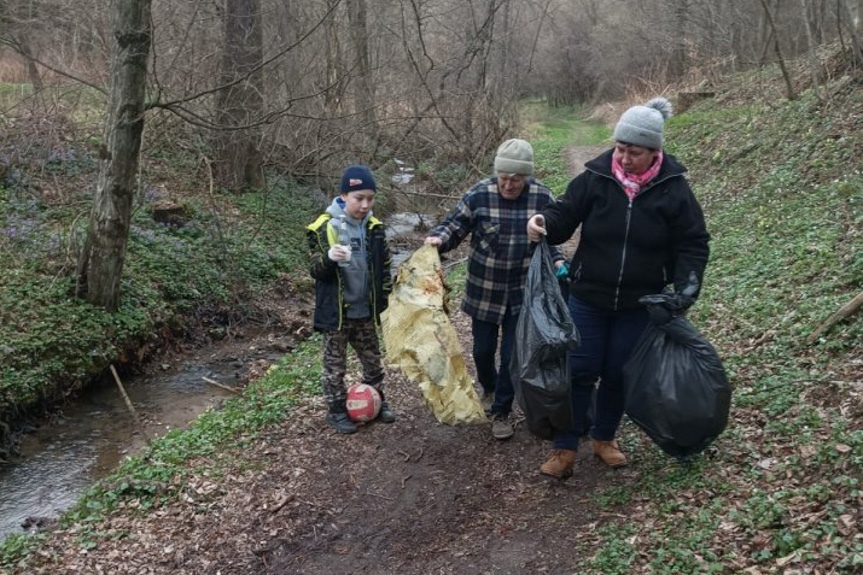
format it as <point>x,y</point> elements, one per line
<point>663,307</point>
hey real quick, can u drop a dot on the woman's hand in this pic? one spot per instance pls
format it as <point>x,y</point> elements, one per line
<point>433,241</point>
<point>536,228</point>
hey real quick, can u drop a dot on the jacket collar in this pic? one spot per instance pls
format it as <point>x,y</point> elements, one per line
<point>670,166</point>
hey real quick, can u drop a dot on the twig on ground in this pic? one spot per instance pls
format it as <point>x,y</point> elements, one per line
<point>282,503</point>
<point>404,480</point>
<point>129,405</point>
<point>405,454</point>
<point>233,390</point>
<point>844,312</point>
<point>379,495</point>
<point>420,456</point>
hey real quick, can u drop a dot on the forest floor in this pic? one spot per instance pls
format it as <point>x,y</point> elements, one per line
<point>414,497</point>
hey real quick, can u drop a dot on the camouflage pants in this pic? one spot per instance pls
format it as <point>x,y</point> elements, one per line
<point>361,334</point>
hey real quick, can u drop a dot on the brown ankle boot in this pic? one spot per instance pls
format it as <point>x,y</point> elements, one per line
<point>559,464</point>
<point>609,452</point>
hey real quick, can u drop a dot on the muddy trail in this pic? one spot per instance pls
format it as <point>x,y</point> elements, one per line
<point>413,497</point>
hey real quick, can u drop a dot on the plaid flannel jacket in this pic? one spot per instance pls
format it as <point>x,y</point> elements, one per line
<point>499,249</point>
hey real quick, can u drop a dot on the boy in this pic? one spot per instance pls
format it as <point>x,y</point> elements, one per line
<point>352,283</point>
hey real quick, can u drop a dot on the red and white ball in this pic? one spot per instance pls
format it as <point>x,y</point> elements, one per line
<point>364,402</point>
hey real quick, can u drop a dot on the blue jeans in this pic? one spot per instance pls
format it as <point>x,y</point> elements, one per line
<point>607,339</point>
<point>492,379</point>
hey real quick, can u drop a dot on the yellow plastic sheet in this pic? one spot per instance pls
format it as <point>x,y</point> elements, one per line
<point>420,339</point>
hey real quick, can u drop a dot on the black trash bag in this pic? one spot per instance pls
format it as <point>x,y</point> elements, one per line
<point>675,386</point>
<point>539,367</point>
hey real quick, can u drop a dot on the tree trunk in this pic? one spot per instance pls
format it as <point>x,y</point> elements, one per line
<point>240,163</point>
<point>778,51</point>
<point>814,66</point>
<point>332,97</point>
<point>681,19</point>
<point>101,265</point>
<point>32,69</point>
<point>365,91</point>
<point>846,16</point>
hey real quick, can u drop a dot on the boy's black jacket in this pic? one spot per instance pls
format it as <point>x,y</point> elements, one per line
<point>329,300</point>
<point>629,249</point>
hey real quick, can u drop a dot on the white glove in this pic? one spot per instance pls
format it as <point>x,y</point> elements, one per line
<point>536,228</point>
<point>339,253</point>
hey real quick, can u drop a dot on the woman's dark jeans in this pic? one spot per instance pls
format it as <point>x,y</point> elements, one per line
<point>492,379</point>
<point>607,339</point>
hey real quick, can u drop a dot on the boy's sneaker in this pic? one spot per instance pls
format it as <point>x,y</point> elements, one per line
<point>501,428</point>
<point>341,422</point>
<point>386,414</point>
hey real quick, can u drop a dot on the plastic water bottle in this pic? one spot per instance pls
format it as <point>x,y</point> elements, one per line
<point>345,239</point>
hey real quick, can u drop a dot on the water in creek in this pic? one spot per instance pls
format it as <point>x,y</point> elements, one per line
<point>60,460</point>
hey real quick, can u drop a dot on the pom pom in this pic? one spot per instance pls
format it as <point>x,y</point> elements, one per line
<point>662,105</point>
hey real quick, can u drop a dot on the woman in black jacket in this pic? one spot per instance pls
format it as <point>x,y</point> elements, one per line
<point>641,230</point>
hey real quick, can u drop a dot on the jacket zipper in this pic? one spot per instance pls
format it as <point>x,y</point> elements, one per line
<point>373,284</point>
<point>338,278</point>
<point>626,232</point>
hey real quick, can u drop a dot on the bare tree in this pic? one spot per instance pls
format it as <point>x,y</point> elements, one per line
<point>847,18</point>
<point>240,163</point>
<point>777,49</point>
<point>101,263</point>
<point>365,92</point>
<point>814,66</point>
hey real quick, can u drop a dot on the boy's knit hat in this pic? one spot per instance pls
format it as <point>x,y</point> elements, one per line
<point>357,177</point>
<point>514,157</point>
<point>642,125</point>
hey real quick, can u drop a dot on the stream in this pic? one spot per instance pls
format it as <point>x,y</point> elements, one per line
<point>58,461</point>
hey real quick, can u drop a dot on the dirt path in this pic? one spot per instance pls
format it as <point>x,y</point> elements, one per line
<point>412,498</point>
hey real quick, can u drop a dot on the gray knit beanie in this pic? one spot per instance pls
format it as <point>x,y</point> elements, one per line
<point>642,125</point>
<point>514,157</point>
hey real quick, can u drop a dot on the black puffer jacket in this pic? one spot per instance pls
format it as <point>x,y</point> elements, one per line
<point>329,290</point>
<point>629,249</point>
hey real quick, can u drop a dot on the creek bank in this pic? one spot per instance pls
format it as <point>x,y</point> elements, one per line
<point>84,440</point>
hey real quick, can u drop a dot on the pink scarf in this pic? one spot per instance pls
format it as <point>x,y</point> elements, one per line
<point>633,183</point>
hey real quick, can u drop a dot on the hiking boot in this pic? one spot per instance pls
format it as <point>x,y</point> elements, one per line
<point>560,464</point>
<point>341,422</point>
<point>386,414</point>
<point>501,428</point>
<point>609,452</point>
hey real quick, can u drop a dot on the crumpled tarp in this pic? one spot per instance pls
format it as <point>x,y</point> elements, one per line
<point>420,339</point>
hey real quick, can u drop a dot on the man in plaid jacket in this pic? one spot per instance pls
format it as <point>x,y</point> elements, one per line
<point>495,212</point>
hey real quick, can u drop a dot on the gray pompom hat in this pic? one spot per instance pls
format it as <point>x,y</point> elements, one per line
<point>514,157</point>
<point>642,125</point>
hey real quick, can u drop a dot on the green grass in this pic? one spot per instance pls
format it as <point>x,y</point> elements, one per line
<point>552,131</point>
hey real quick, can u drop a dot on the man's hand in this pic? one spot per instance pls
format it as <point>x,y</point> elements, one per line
<point>339,253</point>
<point>433,241</point>
<point>536,228</point>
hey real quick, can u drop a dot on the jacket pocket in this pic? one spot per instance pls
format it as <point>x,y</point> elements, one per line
<point>487,236</point>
